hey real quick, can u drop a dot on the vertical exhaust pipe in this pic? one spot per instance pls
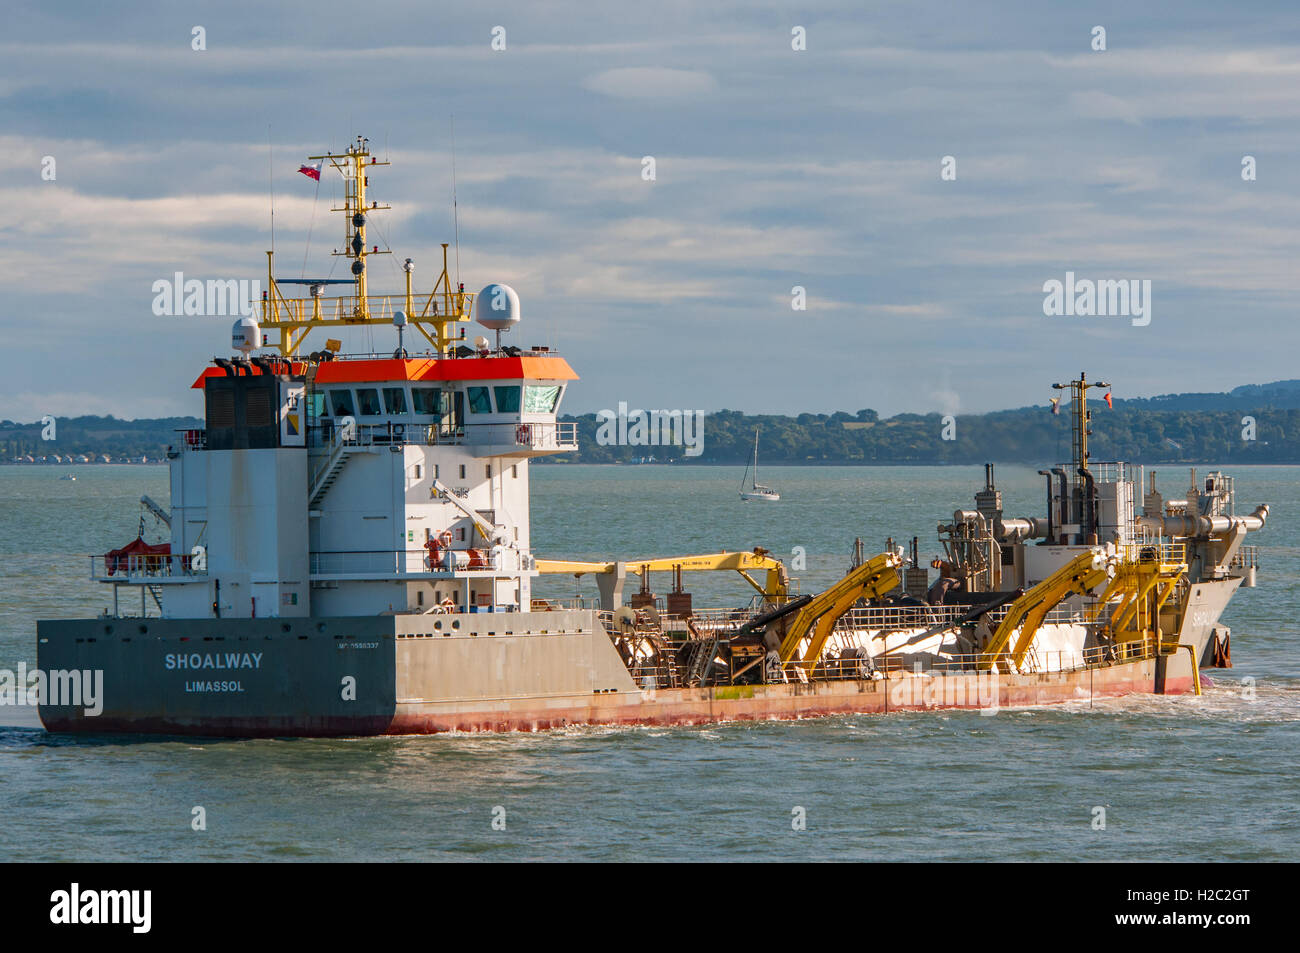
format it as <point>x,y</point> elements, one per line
<point>1051,522</point>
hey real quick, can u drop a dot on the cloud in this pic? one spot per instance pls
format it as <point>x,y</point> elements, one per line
<point>651,83</point>
<point>775,168</point>
<point>29,406</point>
<point>1095,104</point>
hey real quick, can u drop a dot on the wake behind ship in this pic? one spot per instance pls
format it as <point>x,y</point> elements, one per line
<point>349,554</point>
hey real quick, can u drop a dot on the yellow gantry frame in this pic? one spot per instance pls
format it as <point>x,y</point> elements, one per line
<point>295,317</point>
<point>1142,588</point>
<point>814,622</point>
<point>1080,575</point>
<point>775,588</point>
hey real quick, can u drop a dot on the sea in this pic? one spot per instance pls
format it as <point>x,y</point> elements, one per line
<point>1210,778</point>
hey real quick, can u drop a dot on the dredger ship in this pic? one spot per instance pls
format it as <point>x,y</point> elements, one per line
<point>349,554</point>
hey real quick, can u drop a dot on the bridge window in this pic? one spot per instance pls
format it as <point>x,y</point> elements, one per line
<point>425,400</point>
<point>368,398</point>
<point>341,401</point>
<point>541,399</point>
<point>480,401</point>
<point>395,400</point>
<point>507,400</point>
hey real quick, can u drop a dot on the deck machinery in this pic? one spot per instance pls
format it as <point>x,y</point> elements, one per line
<point>348,552</point>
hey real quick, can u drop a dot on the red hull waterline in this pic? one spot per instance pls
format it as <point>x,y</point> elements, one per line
<point>684,706</point>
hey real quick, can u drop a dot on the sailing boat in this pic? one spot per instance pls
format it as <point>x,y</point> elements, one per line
<point>756,490</point>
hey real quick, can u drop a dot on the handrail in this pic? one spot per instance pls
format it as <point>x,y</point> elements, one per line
<point>143,565</point>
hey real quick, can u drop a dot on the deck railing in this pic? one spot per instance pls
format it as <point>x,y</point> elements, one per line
<point>144,566</point>
<point>658,650</point>
<point>1054,661</point>
<point>534,436</point>
<point>1246,557</point>
<point>410,562</point>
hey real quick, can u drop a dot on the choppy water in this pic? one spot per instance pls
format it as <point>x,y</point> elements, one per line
<point>1210,778</point>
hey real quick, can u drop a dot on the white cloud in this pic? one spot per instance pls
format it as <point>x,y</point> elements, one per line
<point>651,83</point>
<point>30,406</point>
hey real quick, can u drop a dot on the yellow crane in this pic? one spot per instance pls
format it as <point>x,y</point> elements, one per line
<point>1080,575</point>
<point>1142,586</point>
<point>774,588</point>
<point>871,580</point>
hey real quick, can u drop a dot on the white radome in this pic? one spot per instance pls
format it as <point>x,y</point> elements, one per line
<point>497,307</point>
<point>245,335</point>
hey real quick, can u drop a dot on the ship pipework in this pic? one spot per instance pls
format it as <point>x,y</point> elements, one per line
<point>1206,525</point>
<point>1051,525</point>
<point>1063,517</point>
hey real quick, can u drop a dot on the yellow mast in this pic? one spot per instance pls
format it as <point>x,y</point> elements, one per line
<point>1082,416</point>
<point>294,318</point>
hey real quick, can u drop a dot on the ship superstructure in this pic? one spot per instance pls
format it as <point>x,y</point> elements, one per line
<point>349,553</point>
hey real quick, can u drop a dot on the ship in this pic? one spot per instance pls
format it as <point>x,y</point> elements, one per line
<point>756,490</point>
<point>348,553</point>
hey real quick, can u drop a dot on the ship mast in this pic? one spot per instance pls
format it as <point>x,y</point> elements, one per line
<point>1082,416</point>
<point>294,318</point>
<point>1082,507</point>
<point>352,165</point>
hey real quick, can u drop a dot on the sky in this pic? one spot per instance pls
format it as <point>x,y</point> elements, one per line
<point>775,168</point>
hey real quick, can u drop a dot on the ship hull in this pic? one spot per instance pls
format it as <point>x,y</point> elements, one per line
<point>492,672</point>
<point>671,706</point>
<point>685,706</point>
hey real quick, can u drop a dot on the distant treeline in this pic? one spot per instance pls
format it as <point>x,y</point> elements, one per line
<point>94,437</point>
<point>1030,435</point>
<point>1175,428</point>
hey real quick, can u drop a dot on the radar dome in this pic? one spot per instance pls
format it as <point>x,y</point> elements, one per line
<point>245,335</point>
<point>497,307</point>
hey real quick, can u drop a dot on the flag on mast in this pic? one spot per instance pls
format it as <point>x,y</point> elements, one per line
<point>311,171</point>
<point>1108,401</point>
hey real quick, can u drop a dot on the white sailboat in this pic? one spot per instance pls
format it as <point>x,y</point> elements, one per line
<point>756,490</point>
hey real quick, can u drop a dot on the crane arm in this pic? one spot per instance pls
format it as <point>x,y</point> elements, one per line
<point>149,504</point>
<point>775,587</point>
<point>1080,575</point>
<point>871,580</point>
<point>1142,588</point>
<point>485,530</point>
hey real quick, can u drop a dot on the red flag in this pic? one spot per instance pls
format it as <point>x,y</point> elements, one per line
<point>311,171</point>
<point>1108,401</point>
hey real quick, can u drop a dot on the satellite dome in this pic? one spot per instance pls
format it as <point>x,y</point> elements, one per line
<point>497,307</point>
<point>245,335</point>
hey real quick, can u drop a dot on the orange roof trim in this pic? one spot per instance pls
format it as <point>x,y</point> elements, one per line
<point>378,370</point>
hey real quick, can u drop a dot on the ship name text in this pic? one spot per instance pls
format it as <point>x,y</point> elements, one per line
<point>212,660</point>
